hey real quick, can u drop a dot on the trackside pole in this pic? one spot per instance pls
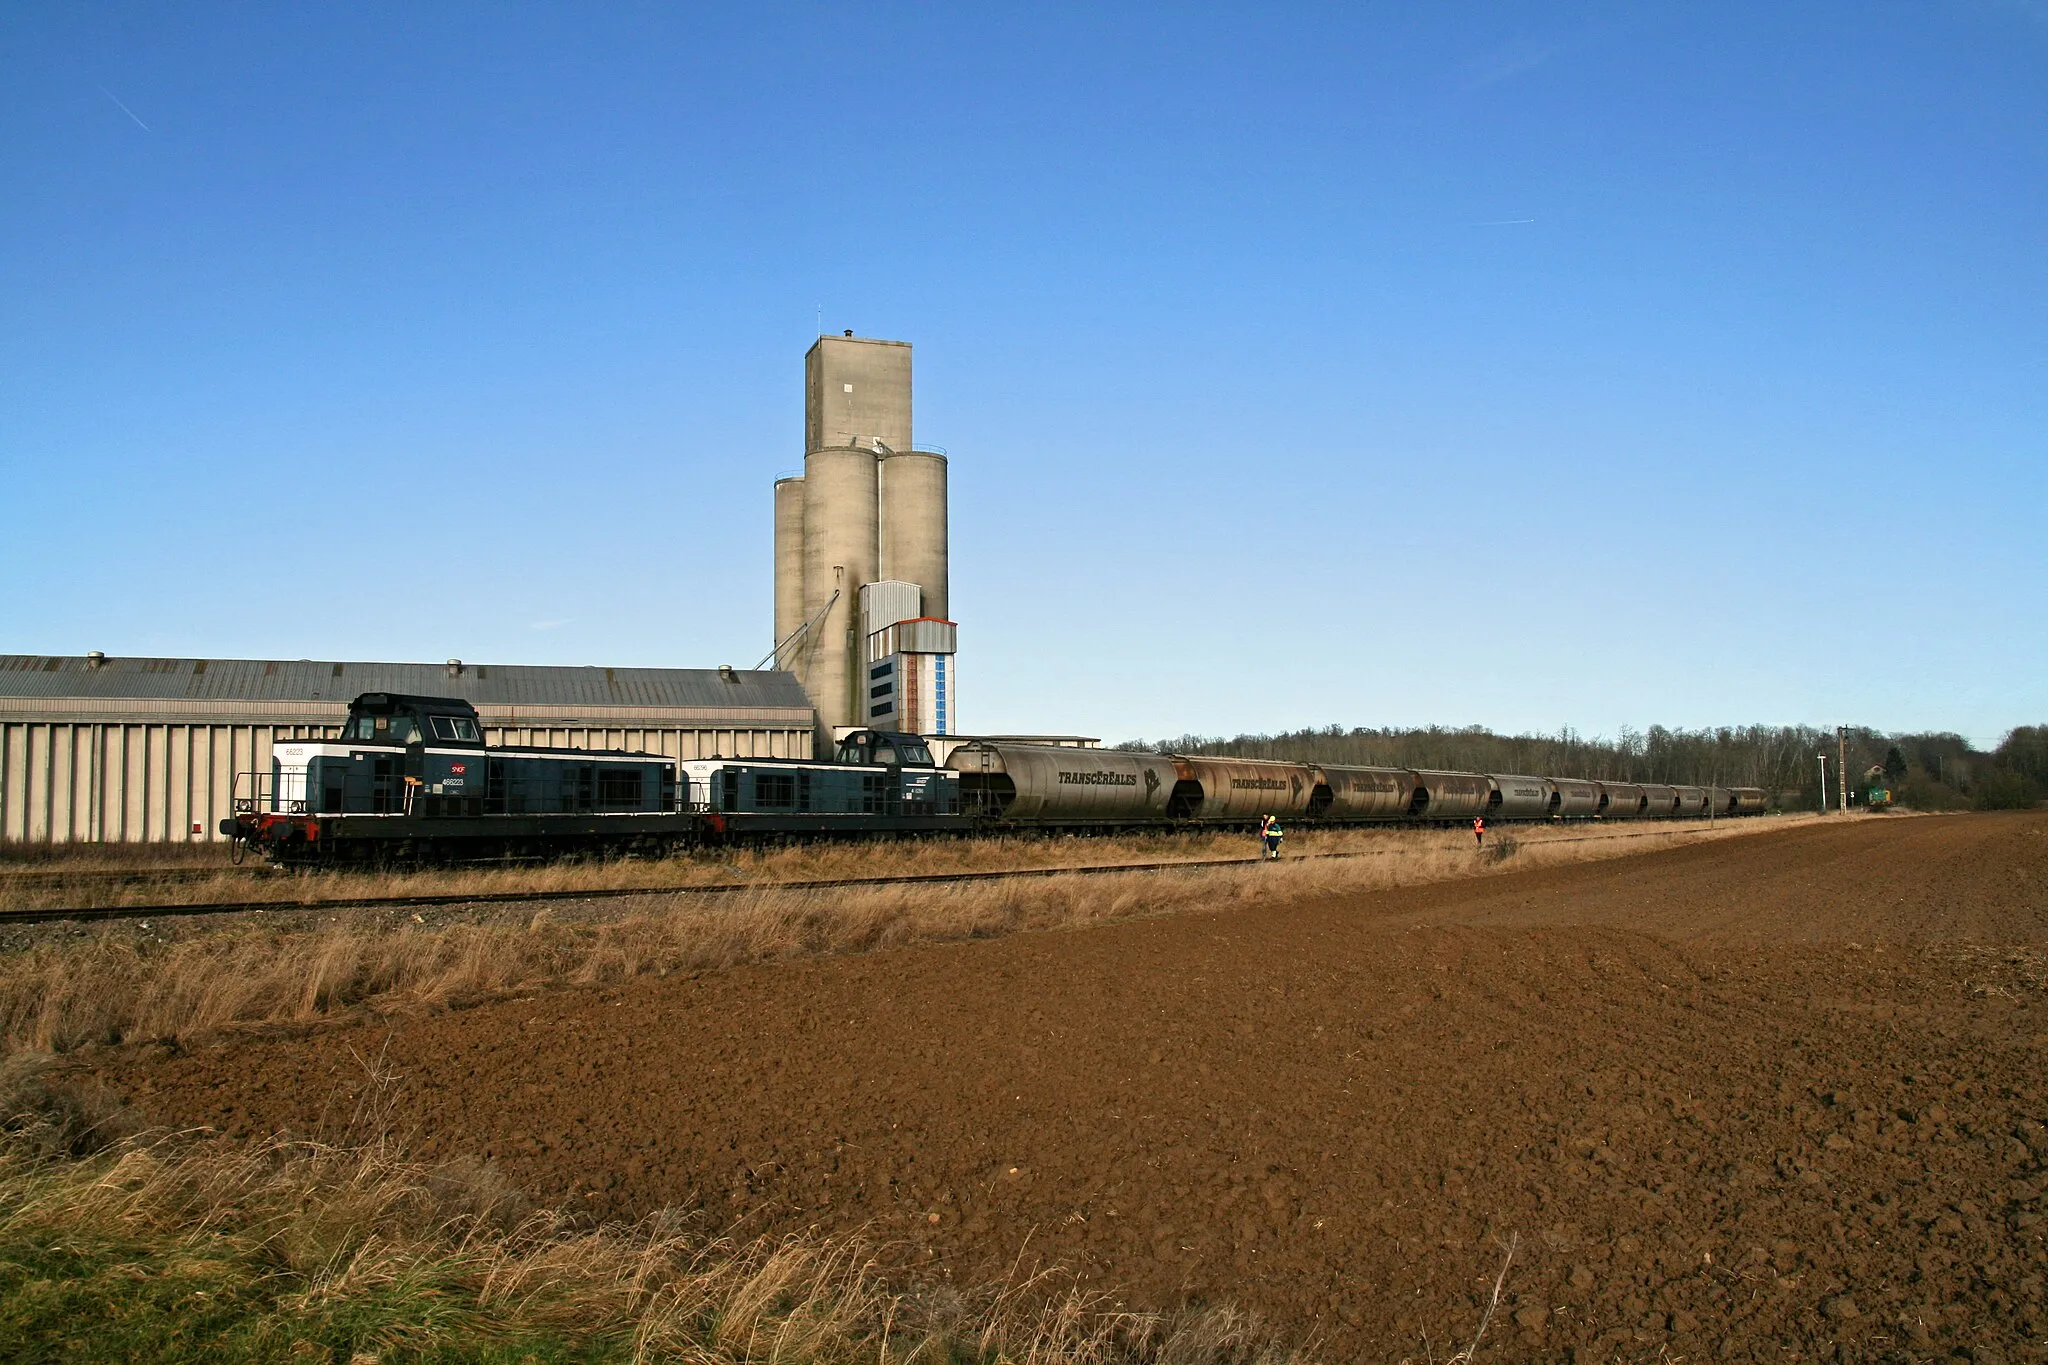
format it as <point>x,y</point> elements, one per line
<point>1842,764</point>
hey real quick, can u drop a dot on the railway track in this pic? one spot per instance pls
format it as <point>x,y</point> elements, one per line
<point>111,912</point>
<point>46,915</point>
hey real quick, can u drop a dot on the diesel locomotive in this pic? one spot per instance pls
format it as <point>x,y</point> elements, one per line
<point>411,779</point>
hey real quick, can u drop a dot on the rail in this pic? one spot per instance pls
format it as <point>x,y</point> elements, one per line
<point>116,912</point>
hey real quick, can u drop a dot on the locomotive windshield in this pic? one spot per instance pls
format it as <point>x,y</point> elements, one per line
<point>383,729</point>
<point>386,718</point>
<point>880,746</point>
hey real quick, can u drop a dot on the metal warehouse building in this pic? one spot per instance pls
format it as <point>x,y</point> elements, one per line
<point>139,750</point>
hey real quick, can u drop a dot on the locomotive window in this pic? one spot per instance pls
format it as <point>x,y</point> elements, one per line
<point>618,788</point>
<point>885,753</point>
<point>402,730</point>
<point>917,756</point>
<point>455,727</point>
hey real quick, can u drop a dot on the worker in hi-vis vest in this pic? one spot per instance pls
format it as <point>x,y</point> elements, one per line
<point>1479,831</point>
<point>1269,835</point>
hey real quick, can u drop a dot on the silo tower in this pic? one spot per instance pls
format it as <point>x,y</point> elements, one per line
<point>861,577</point>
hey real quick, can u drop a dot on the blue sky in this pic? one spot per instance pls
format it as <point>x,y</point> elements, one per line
<point>1519,365</point>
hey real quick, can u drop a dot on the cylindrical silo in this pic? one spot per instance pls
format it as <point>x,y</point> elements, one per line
<point>789,563</point>
<point>913,530</point>
<point>839,555</point>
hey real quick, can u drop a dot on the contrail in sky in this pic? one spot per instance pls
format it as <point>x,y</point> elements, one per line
<point>1503,222</point>
<point>124,108</point>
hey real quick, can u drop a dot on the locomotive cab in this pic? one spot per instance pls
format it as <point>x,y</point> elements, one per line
<point>888,748</point>
<point>417,777</point>
<point>383,718</point>
<point>395,750</point>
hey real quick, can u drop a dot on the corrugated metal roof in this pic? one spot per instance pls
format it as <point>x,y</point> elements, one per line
<point>32,676</point>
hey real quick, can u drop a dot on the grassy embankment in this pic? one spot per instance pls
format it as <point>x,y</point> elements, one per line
<point>177,979</point>
<point>113,875</point>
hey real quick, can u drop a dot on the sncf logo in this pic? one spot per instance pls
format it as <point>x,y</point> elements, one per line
<point>458,767</point>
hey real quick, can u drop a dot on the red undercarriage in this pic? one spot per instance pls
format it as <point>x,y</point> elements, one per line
<point>267,827</point>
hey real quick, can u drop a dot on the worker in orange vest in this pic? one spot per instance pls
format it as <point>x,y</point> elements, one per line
<point>1479,831</point>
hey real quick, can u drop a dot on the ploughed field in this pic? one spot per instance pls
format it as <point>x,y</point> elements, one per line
<point>1782,1093</point>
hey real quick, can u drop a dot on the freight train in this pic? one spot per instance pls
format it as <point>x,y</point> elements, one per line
<point>411,779</point>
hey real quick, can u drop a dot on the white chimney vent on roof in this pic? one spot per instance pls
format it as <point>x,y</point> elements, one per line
<point>455,668</point>
<point>93,658</point>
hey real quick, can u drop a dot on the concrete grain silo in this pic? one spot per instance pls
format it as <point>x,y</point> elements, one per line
<point>869,509</point>
<point>913,525</point>
<point>856,393</point>
<point>789,567</point>
<point>840,554</point>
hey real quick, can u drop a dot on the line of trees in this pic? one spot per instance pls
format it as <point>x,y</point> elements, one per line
<point>1935,771</point>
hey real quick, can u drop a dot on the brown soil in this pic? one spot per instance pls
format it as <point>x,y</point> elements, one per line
<point>1780,1094</point>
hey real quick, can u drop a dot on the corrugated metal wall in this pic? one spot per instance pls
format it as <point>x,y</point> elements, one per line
<point>71,782</point>
<point>84,781</point>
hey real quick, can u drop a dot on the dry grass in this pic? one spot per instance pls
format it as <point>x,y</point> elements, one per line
<point>18,856</point>
<point>106,876</point>
<point>161,1247</point>
<point>117,986</point>
<point>47,884</point>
